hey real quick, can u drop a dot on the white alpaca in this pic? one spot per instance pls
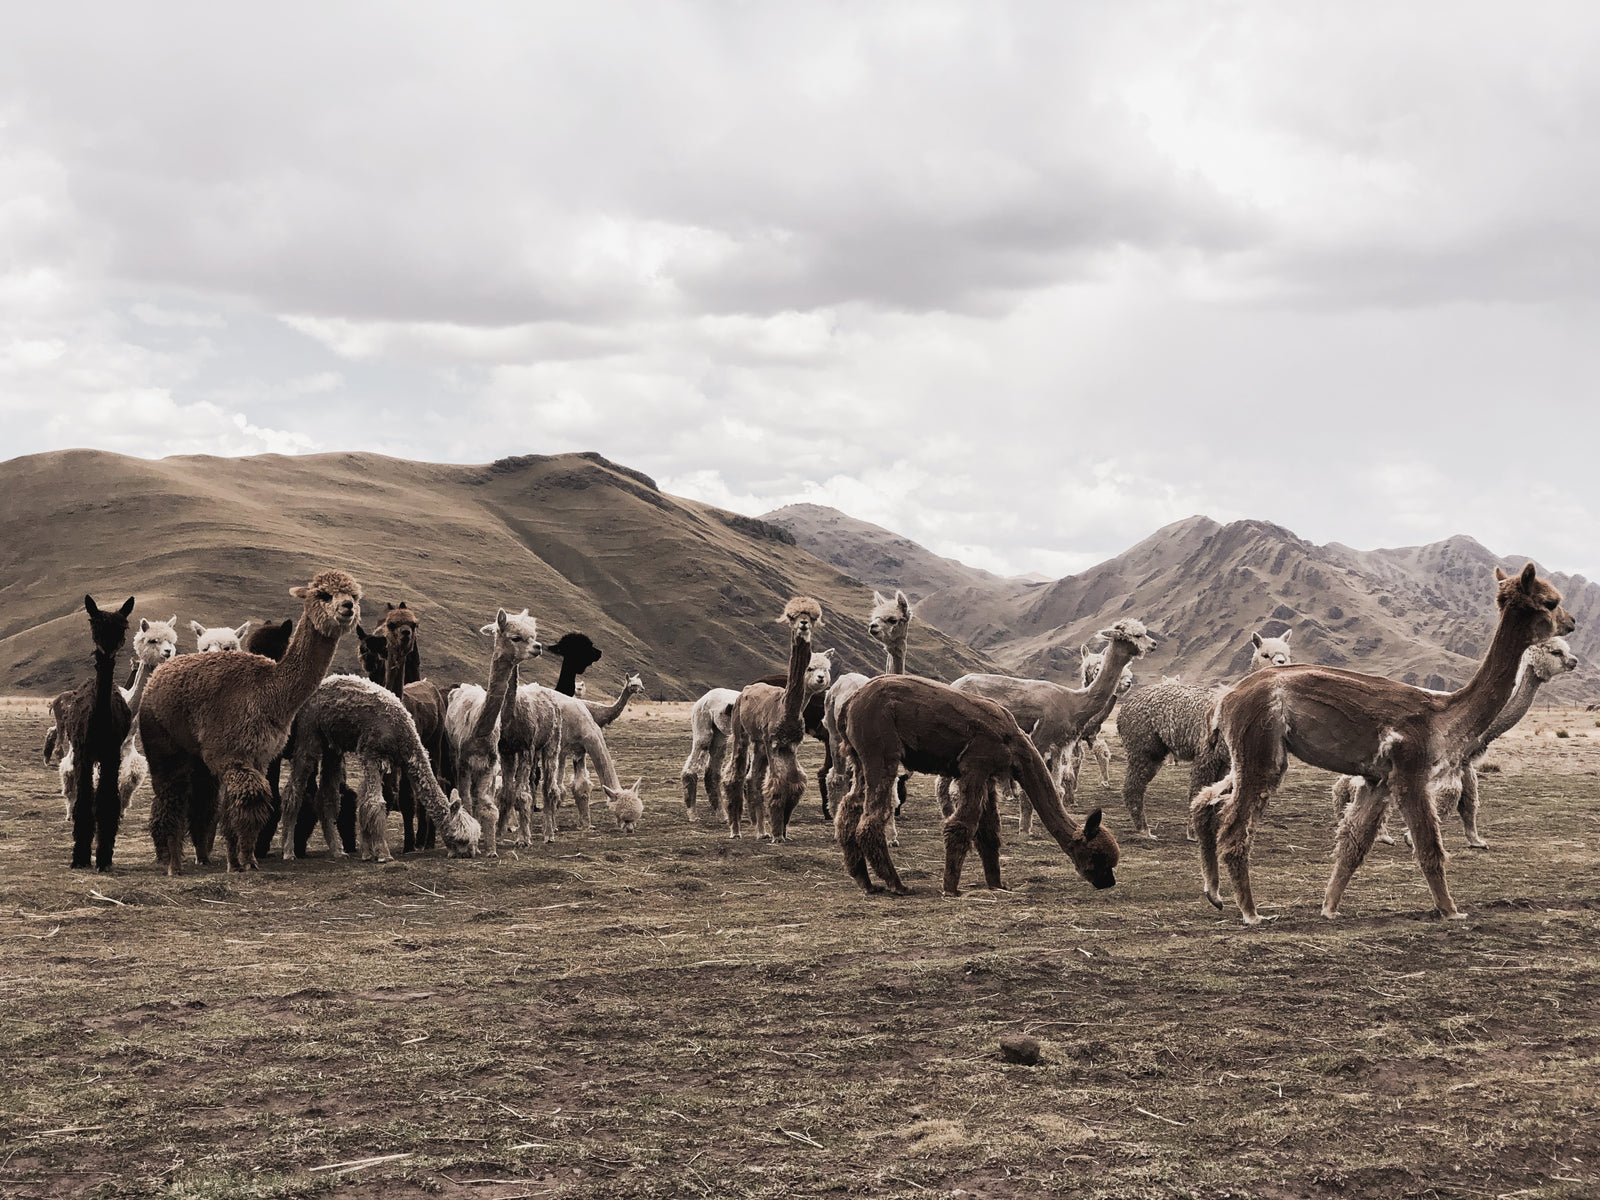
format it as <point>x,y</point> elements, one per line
<point>530,740</point>
<point>604,714</point>
<point>709,730</point>
<point>154,644</point>
<point>211,641</point>
<point>1089,664</point>
<point>581,739</point>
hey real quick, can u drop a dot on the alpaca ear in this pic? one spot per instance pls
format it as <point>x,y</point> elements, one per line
<point>1084,651</point>
<point>242,632</point>
<point>1525,580</point>
<point>127,606</point>
<point>1255,640</point>
<point>455,800</point>
<point>196,628</point>
<point>831,654</point>
<point>387,607</point>
<point>361,633</point>
<point>878,598</point>
<point>614,793</point>
<point>300,593</point>
<point>144,624</point>
<point>90,606</point>
<point>489,629</point>
<point>1092,825</point>
<point>402,604</point>
<point>1500,576</point>
<point>635,788</point>
<point>905,605</point>
<point>501,618</point>
<point>1285,638</point>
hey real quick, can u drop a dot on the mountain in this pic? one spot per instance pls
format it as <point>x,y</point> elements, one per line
<point>688,593</point>
<point>1423,614</point>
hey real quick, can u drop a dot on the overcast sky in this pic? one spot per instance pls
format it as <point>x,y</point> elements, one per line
<point>1023,282</point>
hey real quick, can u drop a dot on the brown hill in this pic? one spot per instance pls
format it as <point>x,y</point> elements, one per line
<point>1423,613</point>
<point>687,592</point>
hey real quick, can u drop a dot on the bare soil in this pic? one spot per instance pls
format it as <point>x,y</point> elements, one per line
<point>674,1014</point>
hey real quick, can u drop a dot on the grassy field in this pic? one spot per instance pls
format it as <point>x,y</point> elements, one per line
<point>674,1014</point>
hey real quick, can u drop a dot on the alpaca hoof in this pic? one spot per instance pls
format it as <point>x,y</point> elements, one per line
<point>1479,845</point>
<point>1214,901</point>
<point>1331,914</point>
<point>872,889</point>
<point>1458,915</point>
<point>950,894</point>
<point>902,890</point>
<point>1148,835</point>
<point>1250,919</point>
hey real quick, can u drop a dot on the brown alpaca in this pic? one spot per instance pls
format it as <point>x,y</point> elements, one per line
<point>1405,742</point>
<point>897,721</point>
<point>766,726</point>
<point>423,699</point>
<point>97,723</point>
<point>214,721</point>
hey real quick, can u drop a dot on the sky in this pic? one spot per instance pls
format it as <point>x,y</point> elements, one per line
<point>1023,282</point>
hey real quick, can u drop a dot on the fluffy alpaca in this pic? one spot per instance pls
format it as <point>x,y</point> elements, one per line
<point>1408,743</point>
<point>766,726</point>
<point>1541,663</point>
<point>472,720</point>
<point>1057,717</point>
<point>1089,664</point>
<point>889,622</point>
<point>580,739</point>
<point>349,715</point>
<point>709,729</point>
<point>97,723</point>
<point>153,644</point>
<point>898,721</point>
<point>530,742</point>
<point>209,641</point>
<point>1175,718</point>
<point>577,654</point>
<point>215,721</point>
<point>392,656</point>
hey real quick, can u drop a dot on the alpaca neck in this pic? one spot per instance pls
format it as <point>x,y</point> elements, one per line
<point>135,695</point>
<point>1100,695</point>
<point>1527,687</point>
<point>604,714</point>
<point>394,671</point>
<point>794,689</point>
<point>894,657</point>
<point>503,676</point>
<point>294,677</point>
<point>1030,771</point>
<point>105,671</point>
<point>1471,711</point>
<point>567,682</point>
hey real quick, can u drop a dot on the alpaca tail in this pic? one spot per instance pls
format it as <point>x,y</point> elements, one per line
<point>246,807</point>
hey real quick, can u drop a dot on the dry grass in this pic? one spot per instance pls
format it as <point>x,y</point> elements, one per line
<point>676,1015</point>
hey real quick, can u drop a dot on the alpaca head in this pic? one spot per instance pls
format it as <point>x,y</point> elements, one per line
<point>373,649</point>
<point>889,618</point>
<point>1132,634</point>
<point>576,652</point>
<point>109,628</point>
<point>819,674</point>
<point>271,640</point>
<point>460,830</point>
<point>1094,853</point>
<point>1537,599</point>
<point>400,627</point>
<point>1550,659</point>
<point>1172,679</point>
<point>803,614</point>
<point>627,804</point>
<point>1270,651</point>
<point>332,602</point>
<point>209,641</point>
<point>1089,664</point>
<point>632,684</point>
<point>579,687</point>
<point>516,636</point>
<point>156,641</point>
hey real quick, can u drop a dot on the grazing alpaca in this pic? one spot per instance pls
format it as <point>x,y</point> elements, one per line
<point>350,715</point>
<point>577,654</point>
<point>708,746</point>
<point>1057,718</point>
<point>154,644</point>
<point>1407,743</point>
<point>604,714</point>
<point>890,623</point>
<point>581,738</point>
<point>766,727</point>
<point>472,720</point>
<point>530,741</point>
<point>1175,718</point>
<point>210,641</point>
<point>898,721</point>
<point>1542,662</point>
<point>97,723</point>
<point>215,721</point>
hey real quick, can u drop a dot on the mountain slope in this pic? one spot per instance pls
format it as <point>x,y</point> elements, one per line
<point>687,593</point>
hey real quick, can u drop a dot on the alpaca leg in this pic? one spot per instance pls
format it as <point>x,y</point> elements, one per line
<point>733,784</point>
<point>1357,829</point>
<point>549,788</point>
<point>947,802</point>
<point>716,796</point>
<point>246,801</point>
<point>696,765</point>
<point>264,839</point>
<point>83,806</point>
<point>581,789</point>
<point>1142,768</point>
<point>408,813</point>
<point>169,801</point>
<point>1102,756</point>
<point>1204,810</point>
<point>330,796</point>
<point>480,776</point>
<point>960,826</point>
<point>107,808</point>
<point>1411,794</point>
<point>1469,809</point>
<point>1024,808</point>
<point>1206,769</point>
<point>879,810</point>
<point>754,778</point>
<point>205,809</point>
<point>1236,826</point>
<point>847,815</point>
<point>987,838</point>
<point>822,778</point>
<point>785,784</point>
<point>372,815</point>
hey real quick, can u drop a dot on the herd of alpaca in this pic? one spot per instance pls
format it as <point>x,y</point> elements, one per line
<point>469,765</point>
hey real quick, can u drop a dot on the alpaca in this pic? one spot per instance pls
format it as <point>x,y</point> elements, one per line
<point>709,731</point>
<point>351,715</point>
<point>1089,664</point>
<point>1407,743</point>
<point>424,700</point>
<point>604,714</point>
<point>766,726</point>
<point>581,738</point>
<point>210,641</point>
<point>889,622</point>
<point>1542,662</point>
<point>898,721</point>
<point>577,654</point>
<point>1057,717</point>
<point>472,721</point>
<point>154,644</point>
<point>1175,718</point>
<point>97,723</point>
<point>215,721</point>
<point>530,741</point>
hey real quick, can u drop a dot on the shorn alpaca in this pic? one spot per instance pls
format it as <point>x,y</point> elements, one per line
<point>97,723</point>
<point>1056,717</point>
<point>890,623</point>
<point>530,744</point>
<point>1407,743</point>
<point>472,720</point>
<point>581,739</point>
<point>766,726</point>
<point>348,715</point>
<point>898,721</point>
<point>1175,718</point>
<point>574,749</point>
<point>210,641</point>
<point>1541,663</point>
<point>709,730</point>
<point>1089,664</point>
<point>215,721</point>
<point>153,644</point>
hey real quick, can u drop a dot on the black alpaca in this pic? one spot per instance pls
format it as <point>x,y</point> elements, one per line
<point>97,725</point>
<point>577,654</point>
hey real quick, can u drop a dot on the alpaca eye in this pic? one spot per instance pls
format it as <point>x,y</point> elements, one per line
<point>1552,604</point>
<point>325,597</point>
